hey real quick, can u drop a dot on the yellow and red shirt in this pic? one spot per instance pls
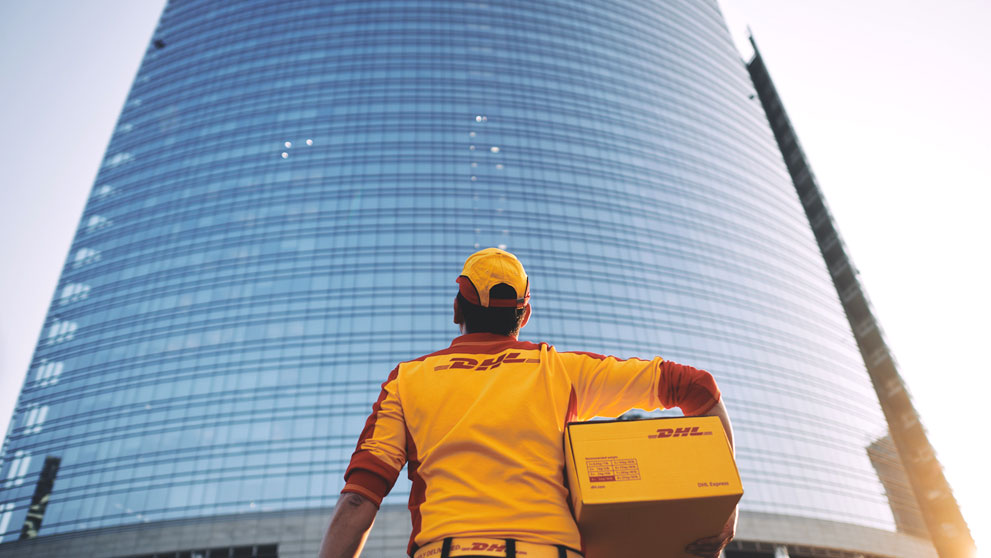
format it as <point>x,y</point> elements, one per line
<point>481,426</point>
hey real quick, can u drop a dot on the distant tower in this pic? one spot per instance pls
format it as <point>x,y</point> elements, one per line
<point>904,506</point>
<point>282,210</point>
<point>946,525</point>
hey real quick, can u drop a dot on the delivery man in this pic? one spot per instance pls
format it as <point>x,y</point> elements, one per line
<point>480,426</point>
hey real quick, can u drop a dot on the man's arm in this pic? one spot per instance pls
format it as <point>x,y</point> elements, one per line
<point>375,464</point>
<point>710,547</point>
<point>353,518</point>
<point>719,410</point>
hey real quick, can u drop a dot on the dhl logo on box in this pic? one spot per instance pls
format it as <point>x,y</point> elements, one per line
<point>676,432</point>
<point>630,479</point>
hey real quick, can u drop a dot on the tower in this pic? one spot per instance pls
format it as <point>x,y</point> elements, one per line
<point>914,463</point>
<point>276,221</point>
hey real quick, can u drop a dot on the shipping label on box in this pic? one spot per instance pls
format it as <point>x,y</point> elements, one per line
<point>650,487</point>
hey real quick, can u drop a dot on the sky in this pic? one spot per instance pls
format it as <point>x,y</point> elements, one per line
<point>889,99</point>
<point>890,102</point>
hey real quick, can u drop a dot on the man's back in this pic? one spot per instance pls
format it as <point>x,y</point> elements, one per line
<point>486,422</point>
<point>481,424</point>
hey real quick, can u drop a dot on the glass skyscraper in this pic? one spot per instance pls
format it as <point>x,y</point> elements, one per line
<point>282,211</point>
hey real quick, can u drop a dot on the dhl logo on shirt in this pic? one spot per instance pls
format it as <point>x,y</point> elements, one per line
<point>466,363</point>
<point>679,432</point>
<point>477,547</point>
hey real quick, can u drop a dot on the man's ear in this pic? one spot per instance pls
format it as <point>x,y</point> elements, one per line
<point>458,318</point>
<point>526,315</point>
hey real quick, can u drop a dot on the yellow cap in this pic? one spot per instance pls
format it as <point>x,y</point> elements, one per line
<point>487,268</point>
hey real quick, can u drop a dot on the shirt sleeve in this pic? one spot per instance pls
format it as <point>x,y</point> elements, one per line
<point>606,386</point>
<point>693,390</point>
<point>381,450</point>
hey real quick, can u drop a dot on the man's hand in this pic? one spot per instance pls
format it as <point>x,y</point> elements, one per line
<point>353,518</point>
<point>710,547</point>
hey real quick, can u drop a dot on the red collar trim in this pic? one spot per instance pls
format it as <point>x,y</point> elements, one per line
<point>481,338</point>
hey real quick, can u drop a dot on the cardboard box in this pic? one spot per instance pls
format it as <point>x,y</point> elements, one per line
<point>650,487</point>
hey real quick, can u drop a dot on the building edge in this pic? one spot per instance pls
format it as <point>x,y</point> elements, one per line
<point>947,528</point>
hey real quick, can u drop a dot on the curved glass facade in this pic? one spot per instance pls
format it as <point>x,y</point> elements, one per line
<point>290,192</point>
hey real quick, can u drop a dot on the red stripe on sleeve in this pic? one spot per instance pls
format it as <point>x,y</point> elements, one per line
<point>370,423</point>
<point>417,493</point>
<point>597,356</point>
<point>693,390</point>
<point>366,470</point>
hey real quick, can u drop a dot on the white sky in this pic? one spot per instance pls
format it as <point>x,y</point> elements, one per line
<point>890,99</point>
